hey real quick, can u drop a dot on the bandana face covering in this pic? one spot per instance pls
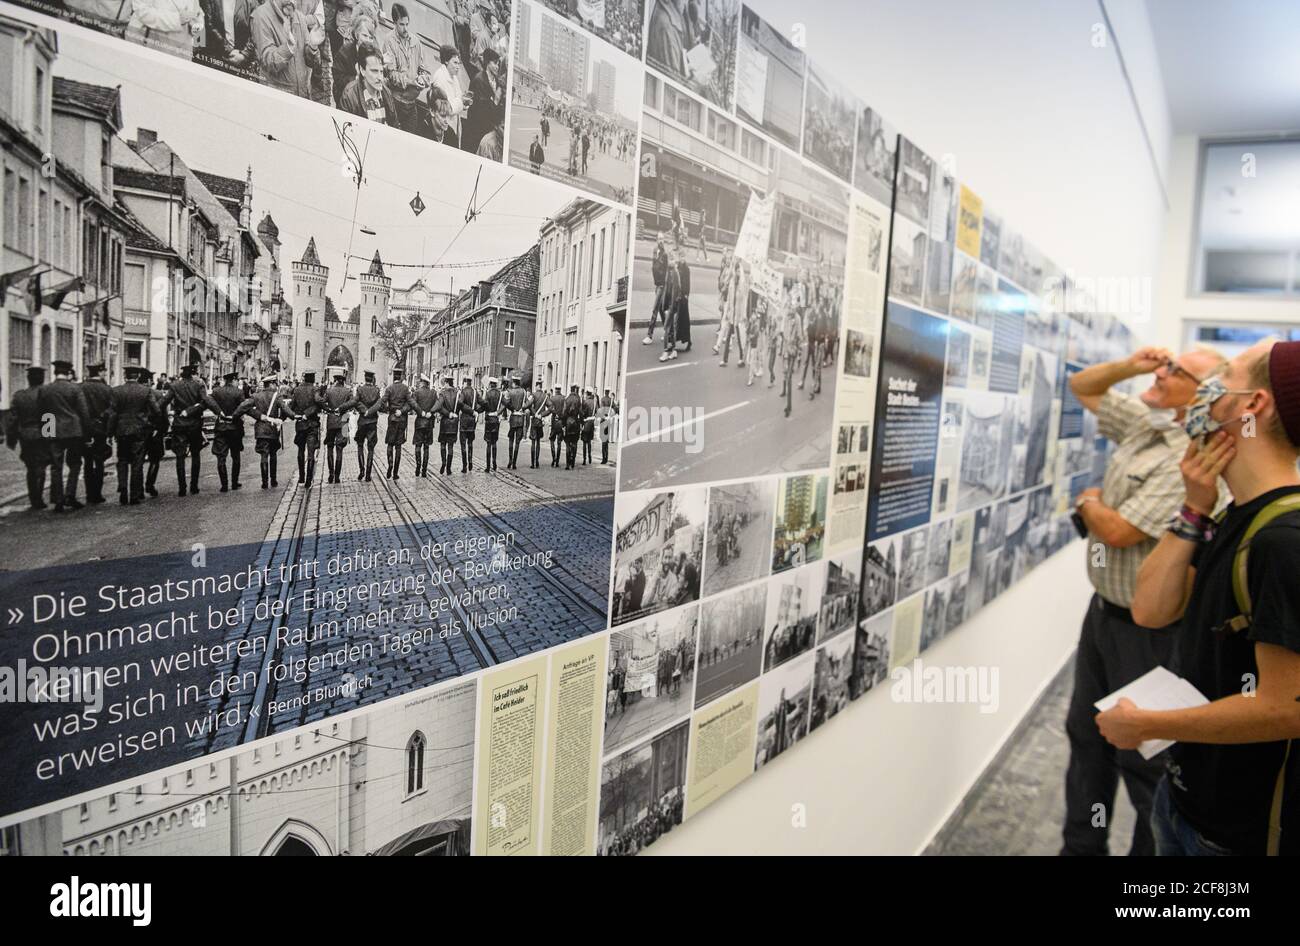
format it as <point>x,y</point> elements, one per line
<point>1198,422</point>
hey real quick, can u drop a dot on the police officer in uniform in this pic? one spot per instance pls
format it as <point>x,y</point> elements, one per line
<point>23,430</point>
<point>467,420</point>
<point>367,396</point>
<point>155,441</point>
<point>572,426</point>
<point>304,407</point>
<point>589,406</point>
<point>447,424</point>
<point>132,415</point>
<point>426,401</point>
<point>555,411</point>
<point>64,403</point>
<point>605,416</point>
<point>339,402</point>
<point>226,401</point>
<point>513,405</point>
<point>185,396</point>
<point>266,407</point>
<point>536,424</point>
<point>99,399</point>
<point>397,403</point>
<point>490,407</point>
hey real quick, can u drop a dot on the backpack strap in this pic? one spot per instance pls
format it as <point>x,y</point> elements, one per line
<point>1241,559</point>
<point>1241,593</point>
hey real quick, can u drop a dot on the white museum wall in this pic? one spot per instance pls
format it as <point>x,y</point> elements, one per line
<point>1041,125</point>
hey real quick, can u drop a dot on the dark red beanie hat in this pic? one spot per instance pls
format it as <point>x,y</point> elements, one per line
<point>1284,376</point>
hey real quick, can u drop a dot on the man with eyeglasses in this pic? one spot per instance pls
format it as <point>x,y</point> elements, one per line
<point>1125,517</point>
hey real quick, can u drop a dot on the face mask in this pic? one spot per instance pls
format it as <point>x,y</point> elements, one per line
<point>1198,422</point>
<point>1163,419</point>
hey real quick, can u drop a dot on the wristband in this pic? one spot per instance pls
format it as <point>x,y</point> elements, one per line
<point>1193,526</point>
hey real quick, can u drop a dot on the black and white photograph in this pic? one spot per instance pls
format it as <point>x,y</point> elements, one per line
<point>410,759</point>
<point>839,605</point>
<point>986,549</point>
<point>574,103</point>
<point>988,437</point>
<point>945,608</point>
<point>651,676</point>
<point>800,521</point>
<point>873,642</point>
<point>915,177</point>
<point>859,353</point>
<point>831,675</point>
<point>439,66</point>
<point>880,576</point>
<point>793,606</point>
<point>853,438</point>
<point>731,642</point>
<point>938,551</point>
<point>938,274</point>
<point>907,260</point>
<point>643,793</point>
<point>1040,391</point>
<point>784,708</point>
<point>913,562</point>
<point>618,22</point>
<point>769,79</point>
<point>272,387</point>
<point>693,42</point>
<point>658,551</point>
<point>873,163</point>
<point>957,369</point>
<point>990,239</point>
<point>740,534</point>
<point>734,321</point>
<point>830,112</point>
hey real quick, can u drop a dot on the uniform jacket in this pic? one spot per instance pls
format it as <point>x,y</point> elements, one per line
<point>66,402</point>
<point>396,399</point>
<point>262,406</point>
<point>226,402</point>
<point>99,397</point>
<point>367,396</point>
<point>186,396</point>
<point>489,405</point>
<point>339,399</point>
<point>132,411</point>
<point>305,403</point>
<point>426,401</point>
<point>467,407</point>
<point>23,422</point>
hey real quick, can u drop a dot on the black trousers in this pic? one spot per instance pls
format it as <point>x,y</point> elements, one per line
<point>1112,652</point>
<point>130,467</point>
<point>65,469</point>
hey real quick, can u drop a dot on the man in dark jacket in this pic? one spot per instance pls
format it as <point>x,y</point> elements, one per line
<point>467,413</point>
<point>339,401</point>
<point>572,426</point>
<point>426,401</point>
<point>64,404</point>
<point>98,399</point>
<point>304,406</point>
<point>397,403</point>
<point>130,418</point>
<point>514,399</point>
<point>447,424</point>
<point>185,397</point>
<point>367,95</point>
<point>23,430</point>
<point>659,273</point>
<point>367,395</point>
<point>226,402</point>
<point>490,407</point>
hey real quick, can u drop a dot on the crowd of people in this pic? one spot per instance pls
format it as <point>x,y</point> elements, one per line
<point>589,133</point>
<point>797,334</point>
<point>340,54</point>
<point>662,817</point>
<point>673,665</point>
<point>64,428</point>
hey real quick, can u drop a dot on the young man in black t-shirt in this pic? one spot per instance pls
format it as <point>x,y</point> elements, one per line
<point>1232,784</point>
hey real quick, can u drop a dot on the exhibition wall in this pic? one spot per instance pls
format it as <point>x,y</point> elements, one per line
<point>900,770</point>
<point>524,707</point>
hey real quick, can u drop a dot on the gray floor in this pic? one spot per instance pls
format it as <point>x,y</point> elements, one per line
<point>1018,804</point>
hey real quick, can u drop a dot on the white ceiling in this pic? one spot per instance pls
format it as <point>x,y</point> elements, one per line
<point>1229,66</point>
